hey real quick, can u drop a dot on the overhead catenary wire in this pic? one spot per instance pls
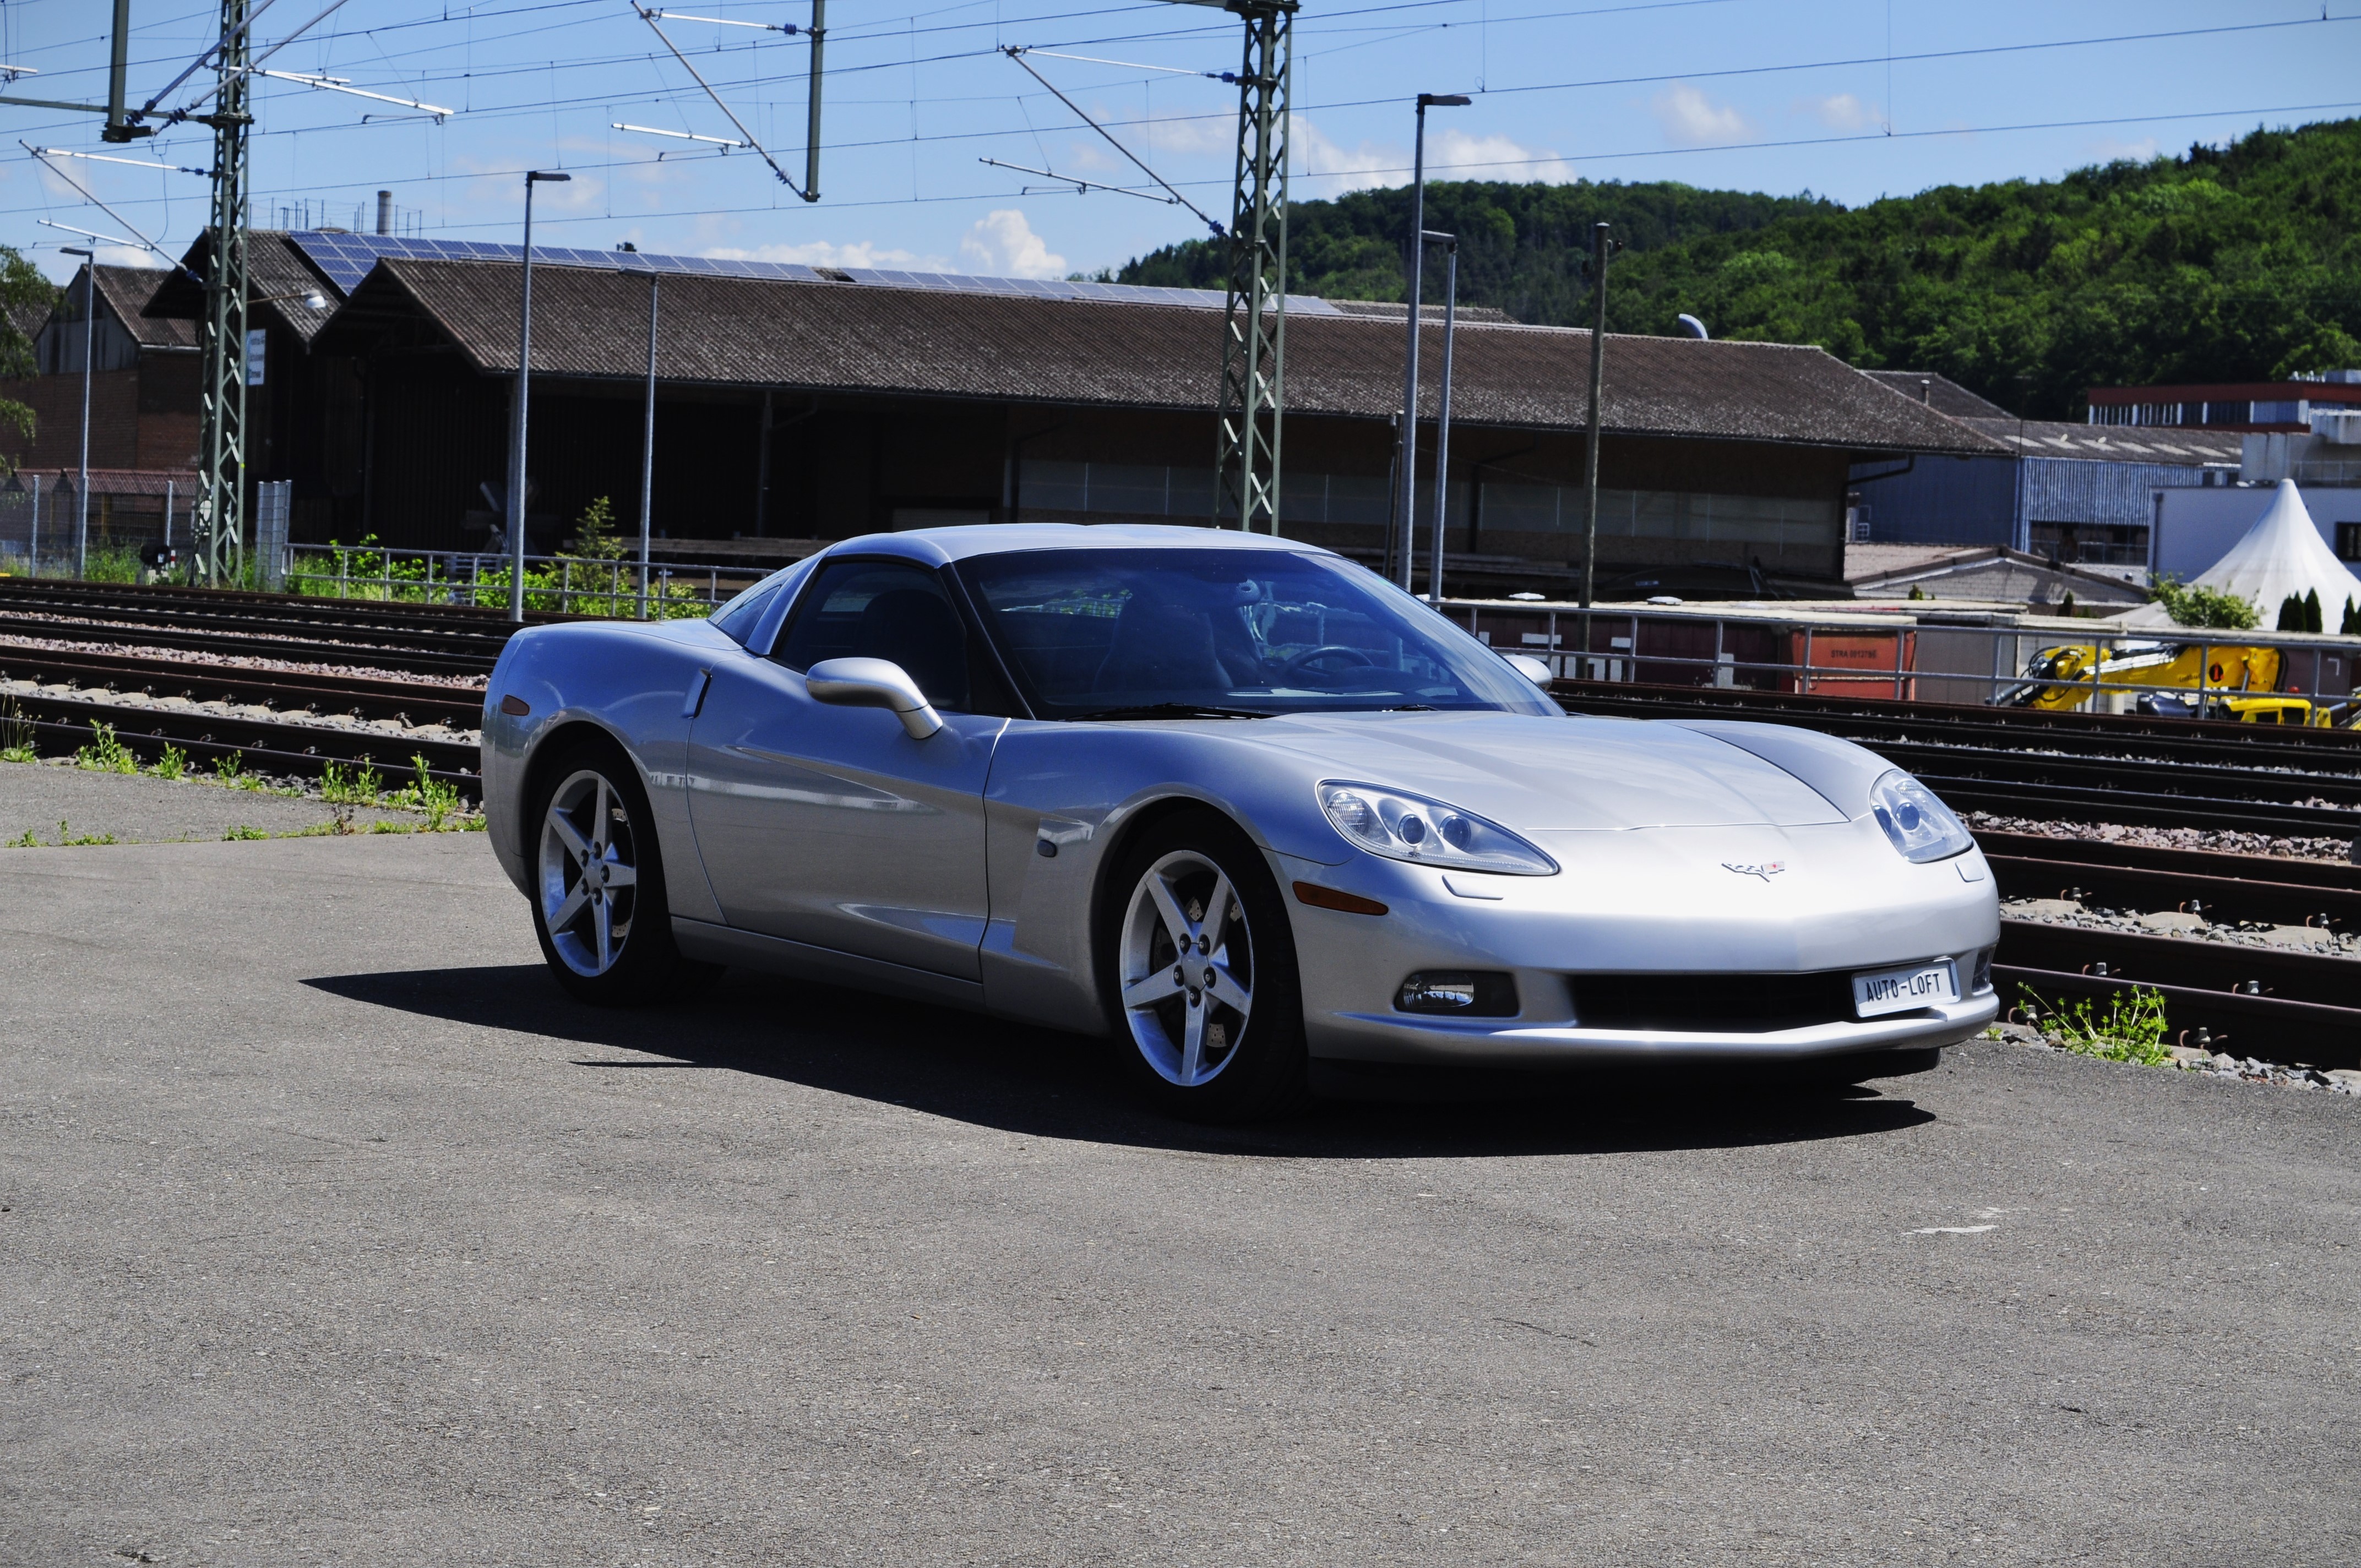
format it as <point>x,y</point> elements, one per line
<point>1018,54</point>
<point>649,17</point>
<point>344,84</point>
<point>1083,186</point>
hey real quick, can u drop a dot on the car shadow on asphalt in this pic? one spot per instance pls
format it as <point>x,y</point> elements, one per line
<point>1044,1083</point>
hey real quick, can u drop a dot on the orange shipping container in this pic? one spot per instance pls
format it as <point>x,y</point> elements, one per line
<point>1854,664</point>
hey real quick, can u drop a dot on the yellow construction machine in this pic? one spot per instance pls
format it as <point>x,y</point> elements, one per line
<point>2224,680</point>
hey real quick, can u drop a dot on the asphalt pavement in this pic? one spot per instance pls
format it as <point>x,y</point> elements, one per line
<point>332,1232</point>
<point>58,803</point>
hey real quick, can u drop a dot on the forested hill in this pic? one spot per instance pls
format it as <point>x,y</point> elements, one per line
<point>2230,264</point>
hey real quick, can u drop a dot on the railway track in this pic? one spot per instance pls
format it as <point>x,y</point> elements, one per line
<point>60,726</point>
<point>2247,997</point>
<point>2061,766</point>
<point>294,693</point>
<point>423,639</point>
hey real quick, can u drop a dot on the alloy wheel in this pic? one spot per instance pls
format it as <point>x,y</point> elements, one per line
<point>589,873</point>
<point>1187,969</point>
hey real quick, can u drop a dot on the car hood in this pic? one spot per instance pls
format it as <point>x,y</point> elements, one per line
<point>1544,774</point>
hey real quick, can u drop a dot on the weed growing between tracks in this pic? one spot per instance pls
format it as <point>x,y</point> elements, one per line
<point>105,754</point>
<point>2131,1030</point>
<point>15,736</point>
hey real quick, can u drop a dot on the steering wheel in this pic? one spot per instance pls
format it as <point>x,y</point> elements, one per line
<point>1326,650</point>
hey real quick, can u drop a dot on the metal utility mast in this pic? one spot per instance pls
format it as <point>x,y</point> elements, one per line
<point>220,508</point>
<point>1254,317</point>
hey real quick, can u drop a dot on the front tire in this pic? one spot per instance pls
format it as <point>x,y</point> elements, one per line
<point>599,903</point>
<point>1201,974</point>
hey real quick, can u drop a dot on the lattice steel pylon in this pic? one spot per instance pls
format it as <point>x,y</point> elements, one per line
<point>220,509</point>
<point>1254,331</point>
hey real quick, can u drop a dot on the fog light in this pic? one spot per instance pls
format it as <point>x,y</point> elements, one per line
<point>1476,993</point>
<point>1982,980</point>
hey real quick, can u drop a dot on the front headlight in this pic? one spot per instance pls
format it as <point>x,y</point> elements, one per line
<point>1921,826</point>
<point>1404,826</point>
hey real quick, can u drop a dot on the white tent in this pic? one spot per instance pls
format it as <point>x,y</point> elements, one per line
<point>2281,554</point>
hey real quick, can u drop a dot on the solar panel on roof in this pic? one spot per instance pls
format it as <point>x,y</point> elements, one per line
<point>347,257</point>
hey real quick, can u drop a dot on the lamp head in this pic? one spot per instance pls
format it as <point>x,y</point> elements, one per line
<point>539,176</point>
<point>1442,100</point>
<point>77,251</point>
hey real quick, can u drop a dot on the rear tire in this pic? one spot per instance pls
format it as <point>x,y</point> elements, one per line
<point>1199,970</point>
<point>599,904</point>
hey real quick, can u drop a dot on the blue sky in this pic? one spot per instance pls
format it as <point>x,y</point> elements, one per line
<point>1850,98</point>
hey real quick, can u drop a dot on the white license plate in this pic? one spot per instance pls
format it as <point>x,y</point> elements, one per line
<point>1884,991</point>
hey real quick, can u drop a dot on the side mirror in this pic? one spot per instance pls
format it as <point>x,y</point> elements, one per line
<point>874,683</point>
<point>1533,669</point>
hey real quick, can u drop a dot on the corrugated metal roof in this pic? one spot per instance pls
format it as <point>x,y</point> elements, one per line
<point>126,291</point>
<point>835,338</point>
<point>276,270</point>
<point>2113,442</point>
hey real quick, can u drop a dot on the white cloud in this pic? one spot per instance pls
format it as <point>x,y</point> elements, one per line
<point>2107,150</point>
<point>822,253</point>
<point>1451,154</point>
<point>1691,118</point>
<point>134,255</point>
<point>1003,244</point>
<point>1455,155</point>
<point>1359,168</point>
<point>1842,112</point>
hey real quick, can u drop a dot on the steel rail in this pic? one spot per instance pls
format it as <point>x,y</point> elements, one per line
<point>451,707</point>
<point>2216,898</point>
<point>2190,740</point>
<point>296,650</point>
<point>2270,1029</point>
<point>306,631</point>
<point>2272,868</point>
<point>232,600</point>
<point>62,725</point>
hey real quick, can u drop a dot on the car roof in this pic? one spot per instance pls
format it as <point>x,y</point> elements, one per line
<point>938,546</point>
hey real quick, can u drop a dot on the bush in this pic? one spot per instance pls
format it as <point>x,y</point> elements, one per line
<point>2191,606</point>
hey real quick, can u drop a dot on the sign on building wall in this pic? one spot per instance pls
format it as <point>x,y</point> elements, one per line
<point>258,345</point>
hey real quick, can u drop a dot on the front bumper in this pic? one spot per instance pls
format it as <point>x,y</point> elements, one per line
<point>1668,902</point>
<point>1410,1039</point>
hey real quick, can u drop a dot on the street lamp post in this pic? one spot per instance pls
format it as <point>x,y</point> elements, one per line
<point>517,414</point>
<point>1406,505</point>
<point>648,445</point>
<point>1442,410</point>
<point>81,486</point>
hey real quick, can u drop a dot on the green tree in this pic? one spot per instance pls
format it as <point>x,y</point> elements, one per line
<point>23,293</point>
<point>2224,264</point>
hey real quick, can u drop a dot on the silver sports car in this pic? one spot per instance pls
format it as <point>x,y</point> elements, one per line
<point>1232,800</point>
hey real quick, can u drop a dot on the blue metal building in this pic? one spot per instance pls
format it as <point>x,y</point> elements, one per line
<point>2081,492</point>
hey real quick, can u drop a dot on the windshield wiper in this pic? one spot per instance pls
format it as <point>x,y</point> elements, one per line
<point>1411,708</point>
<point>1168,710</point>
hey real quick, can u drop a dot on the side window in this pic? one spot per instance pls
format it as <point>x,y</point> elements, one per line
<point>739,616</point>
<point>883,610</point>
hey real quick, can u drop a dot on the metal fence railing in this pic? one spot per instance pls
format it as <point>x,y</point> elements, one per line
<point>2091,668</point>
<point>45,531</point>
<point>566,584</point>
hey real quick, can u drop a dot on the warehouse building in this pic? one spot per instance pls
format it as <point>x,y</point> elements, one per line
<point>2077,493</point>
<point>799,404</point>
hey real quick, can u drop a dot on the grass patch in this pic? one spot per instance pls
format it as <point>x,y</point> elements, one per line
<point>2132,1029</point>
<point>173,764</point>
<point>243,831</point>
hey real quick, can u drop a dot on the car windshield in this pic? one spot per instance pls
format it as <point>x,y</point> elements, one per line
<point>1207,633</point>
